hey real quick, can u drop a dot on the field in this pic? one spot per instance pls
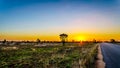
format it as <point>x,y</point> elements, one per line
<point>72,55</point>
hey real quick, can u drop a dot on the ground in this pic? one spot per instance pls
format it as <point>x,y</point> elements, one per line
<point>30,56</point>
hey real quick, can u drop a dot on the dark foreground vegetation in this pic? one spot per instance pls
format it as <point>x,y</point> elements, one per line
<point>72,55</point>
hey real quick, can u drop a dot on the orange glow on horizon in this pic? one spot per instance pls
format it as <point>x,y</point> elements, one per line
<point>80,38</point>
<point>73,36</point>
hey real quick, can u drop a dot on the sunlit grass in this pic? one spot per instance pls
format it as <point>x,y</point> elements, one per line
<point>31,56</point>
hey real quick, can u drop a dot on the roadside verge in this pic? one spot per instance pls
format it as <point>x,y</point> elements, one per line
<point>99,63</point>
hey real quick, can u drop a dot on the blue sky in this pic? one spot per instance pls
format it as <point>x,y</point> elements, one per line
<point>52,17</point>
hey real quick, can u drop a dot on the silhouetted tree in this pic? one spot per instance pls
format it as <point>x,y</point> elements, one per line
<point>63,38</point>
<point>38,41</point>
<point>112,40</point>
<point>94,41</point>
<point>4,41</point>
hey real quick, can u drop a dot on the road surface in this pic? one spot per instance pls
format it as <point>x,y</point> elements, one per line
<point>111,55</point>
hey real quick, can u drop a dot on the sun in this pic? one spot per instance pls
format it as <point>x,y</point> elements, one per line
<point>80,38</point>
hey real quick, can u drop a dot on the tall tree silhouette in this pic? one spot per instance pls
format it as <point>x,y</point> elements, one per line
<point>112,40</point>
<point>4,41</point>
<point>63,38</point>
<point>38,41</point>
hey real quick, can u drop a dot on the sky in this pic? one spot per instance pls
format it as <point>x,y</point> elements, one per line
<point>47,19</point>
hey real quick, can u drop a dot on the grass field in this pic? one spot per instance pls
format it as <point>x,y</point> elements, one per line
<point>72,55</point>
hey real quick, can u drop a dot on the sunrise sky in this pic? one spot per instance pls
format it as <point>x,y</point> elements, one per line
<point>46,19</point>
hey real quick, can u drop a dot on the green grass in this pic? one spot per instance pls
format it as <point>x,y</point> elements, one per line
<point>28,56</point>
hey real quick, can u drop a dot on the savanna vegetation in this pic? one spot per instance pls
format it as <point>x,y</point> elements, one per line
<point>72,55</point>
